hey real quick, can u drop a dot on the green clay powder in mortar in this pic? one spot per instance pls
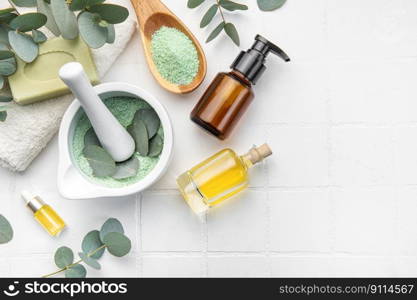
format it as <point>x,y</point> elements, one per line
<point>124,109</point>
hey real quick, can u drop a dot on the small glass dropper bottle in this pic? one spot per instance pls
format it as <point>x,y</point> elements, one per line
<point>219,177</point>
<point>44,214</point>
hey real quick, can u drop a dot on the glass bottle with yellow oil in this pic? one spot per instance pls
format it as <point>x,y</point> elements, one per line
<point>44,214</point>
<point>219,177</point>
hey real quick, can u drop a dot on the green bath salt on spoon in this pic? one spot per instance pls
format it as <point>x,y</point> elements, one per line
<point>174,55</point>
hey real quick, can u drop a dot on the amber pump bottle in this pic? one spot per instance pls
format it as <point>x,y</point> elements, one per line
<point>229,95</point>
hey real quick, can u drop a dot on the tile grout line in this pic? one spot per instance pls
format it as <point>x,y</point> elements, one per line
<point>139,262</point>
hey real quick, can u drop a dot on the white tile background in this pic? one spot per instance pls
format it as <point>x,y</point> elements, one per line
<point>338,198</point>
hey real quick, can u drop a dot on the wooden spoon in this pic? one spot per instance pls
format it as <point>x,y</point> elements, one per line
<point>152,15</point>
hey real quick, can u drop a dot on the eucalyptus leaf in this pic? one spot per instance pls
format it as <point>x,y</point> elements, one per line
<point>209,15</point>
<point>7,67</point>
<point>66,19</point>
<point>5,54</point>
<point>89,261</point>
<point>91,138</point>
<point>269,5</point>
<point>140,135</point>
<point>150,118</point>
<point>5,98</point>
<point>232,33</point>
<point>3,116</point>
<point>1,85</point>
<point>38,36</point>
<point>77,271</point>
<point>7,18</point>
<point>63,257</point>
<point>6,230</point>
<point>92,33</point>
<point>4,39</point>
<point>92,242</point>
<point>24,3</point>
<point>111,225</point>
<point>111,13</point>
<point>127,169</point>
<point>28,22</point>
<point>3,108</point>
<point>45,9</point>
<point>81,4</point>
<point>232,6</point>
<point>24,46</point>
<point>194,3</point>
<point>100,161</point>
<point>156,144</point>
<point>215,32</point>
<point>111,34</point>
<point>5,11</point>
<point>117,244</point>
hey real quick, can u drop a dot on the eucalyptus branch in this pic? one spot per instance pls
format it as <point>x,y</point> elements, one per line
<point>75,263</point>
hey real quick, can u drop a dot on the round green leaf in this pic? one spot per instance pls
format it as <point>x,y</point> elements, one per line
<point>89,261</point>
<point>156,144</point>
<point>111,225</point>
<point>127,169</point>
<point>24,46</point>
<point>6,230</point>
<point>92,33</point>
<point>269,5</point>
<point>111,34</point>
<point>5,54</point>
<point>63,257</point>
<point>77,271</point>
<point>209,15</point>
<point>7,67</point>
<point>28,22</point>
<point>215,32</point>
<point>194,3</point>
<point>38,36</point>
<point>91,138</point>
<point>117,244</point>
<point>232,6</point>
<point>65,19</point>
<point>45,9</point>
<point>232,33</point>
<point>111,13</point>
<point>150,118</point>
<point>24,3</point>
<point>3,117</point>
<point>78,4</point>
<point>100,161</point>
<point>92,242</point>
<point>140,134</point>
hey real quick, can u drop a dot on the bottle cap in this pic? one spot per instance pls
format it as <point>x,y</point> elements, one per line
<point>258,154</point>
<point>252,62</point>
<point>34,203</point>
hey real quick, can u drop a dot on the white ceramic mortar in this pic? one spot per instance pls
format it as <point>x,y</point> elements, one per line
<point>73,183</point>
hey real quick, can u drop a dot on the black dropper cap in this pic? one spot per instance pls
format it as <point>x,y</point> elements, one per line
<point>252,62</point>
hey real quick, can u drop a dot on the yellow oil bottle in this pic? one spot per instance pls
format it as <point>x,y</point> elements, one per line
<point>219,177</point>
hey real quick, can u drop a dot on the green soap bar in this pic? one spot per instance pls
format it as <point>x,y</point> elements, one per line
<point>38,81</point>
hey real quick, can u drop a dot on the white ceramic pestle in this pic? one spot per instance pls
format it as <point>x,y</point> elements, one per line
<point>112,135</point>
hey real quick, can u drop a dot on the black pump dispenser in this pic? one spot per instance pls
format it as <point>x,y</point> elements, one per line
<point>251,63</point>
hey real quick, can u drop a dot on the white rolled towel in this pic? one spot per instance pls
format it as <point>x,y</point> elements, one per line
<point>28,129</point>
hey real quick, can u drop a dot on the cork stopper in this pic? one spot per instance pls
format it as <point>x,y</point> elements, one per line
<point>258,154</point>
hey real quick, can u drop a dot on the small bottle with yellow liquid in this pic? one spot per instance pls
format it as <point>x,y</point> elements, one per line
<point>219,177</point>
<point>44,214</point>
